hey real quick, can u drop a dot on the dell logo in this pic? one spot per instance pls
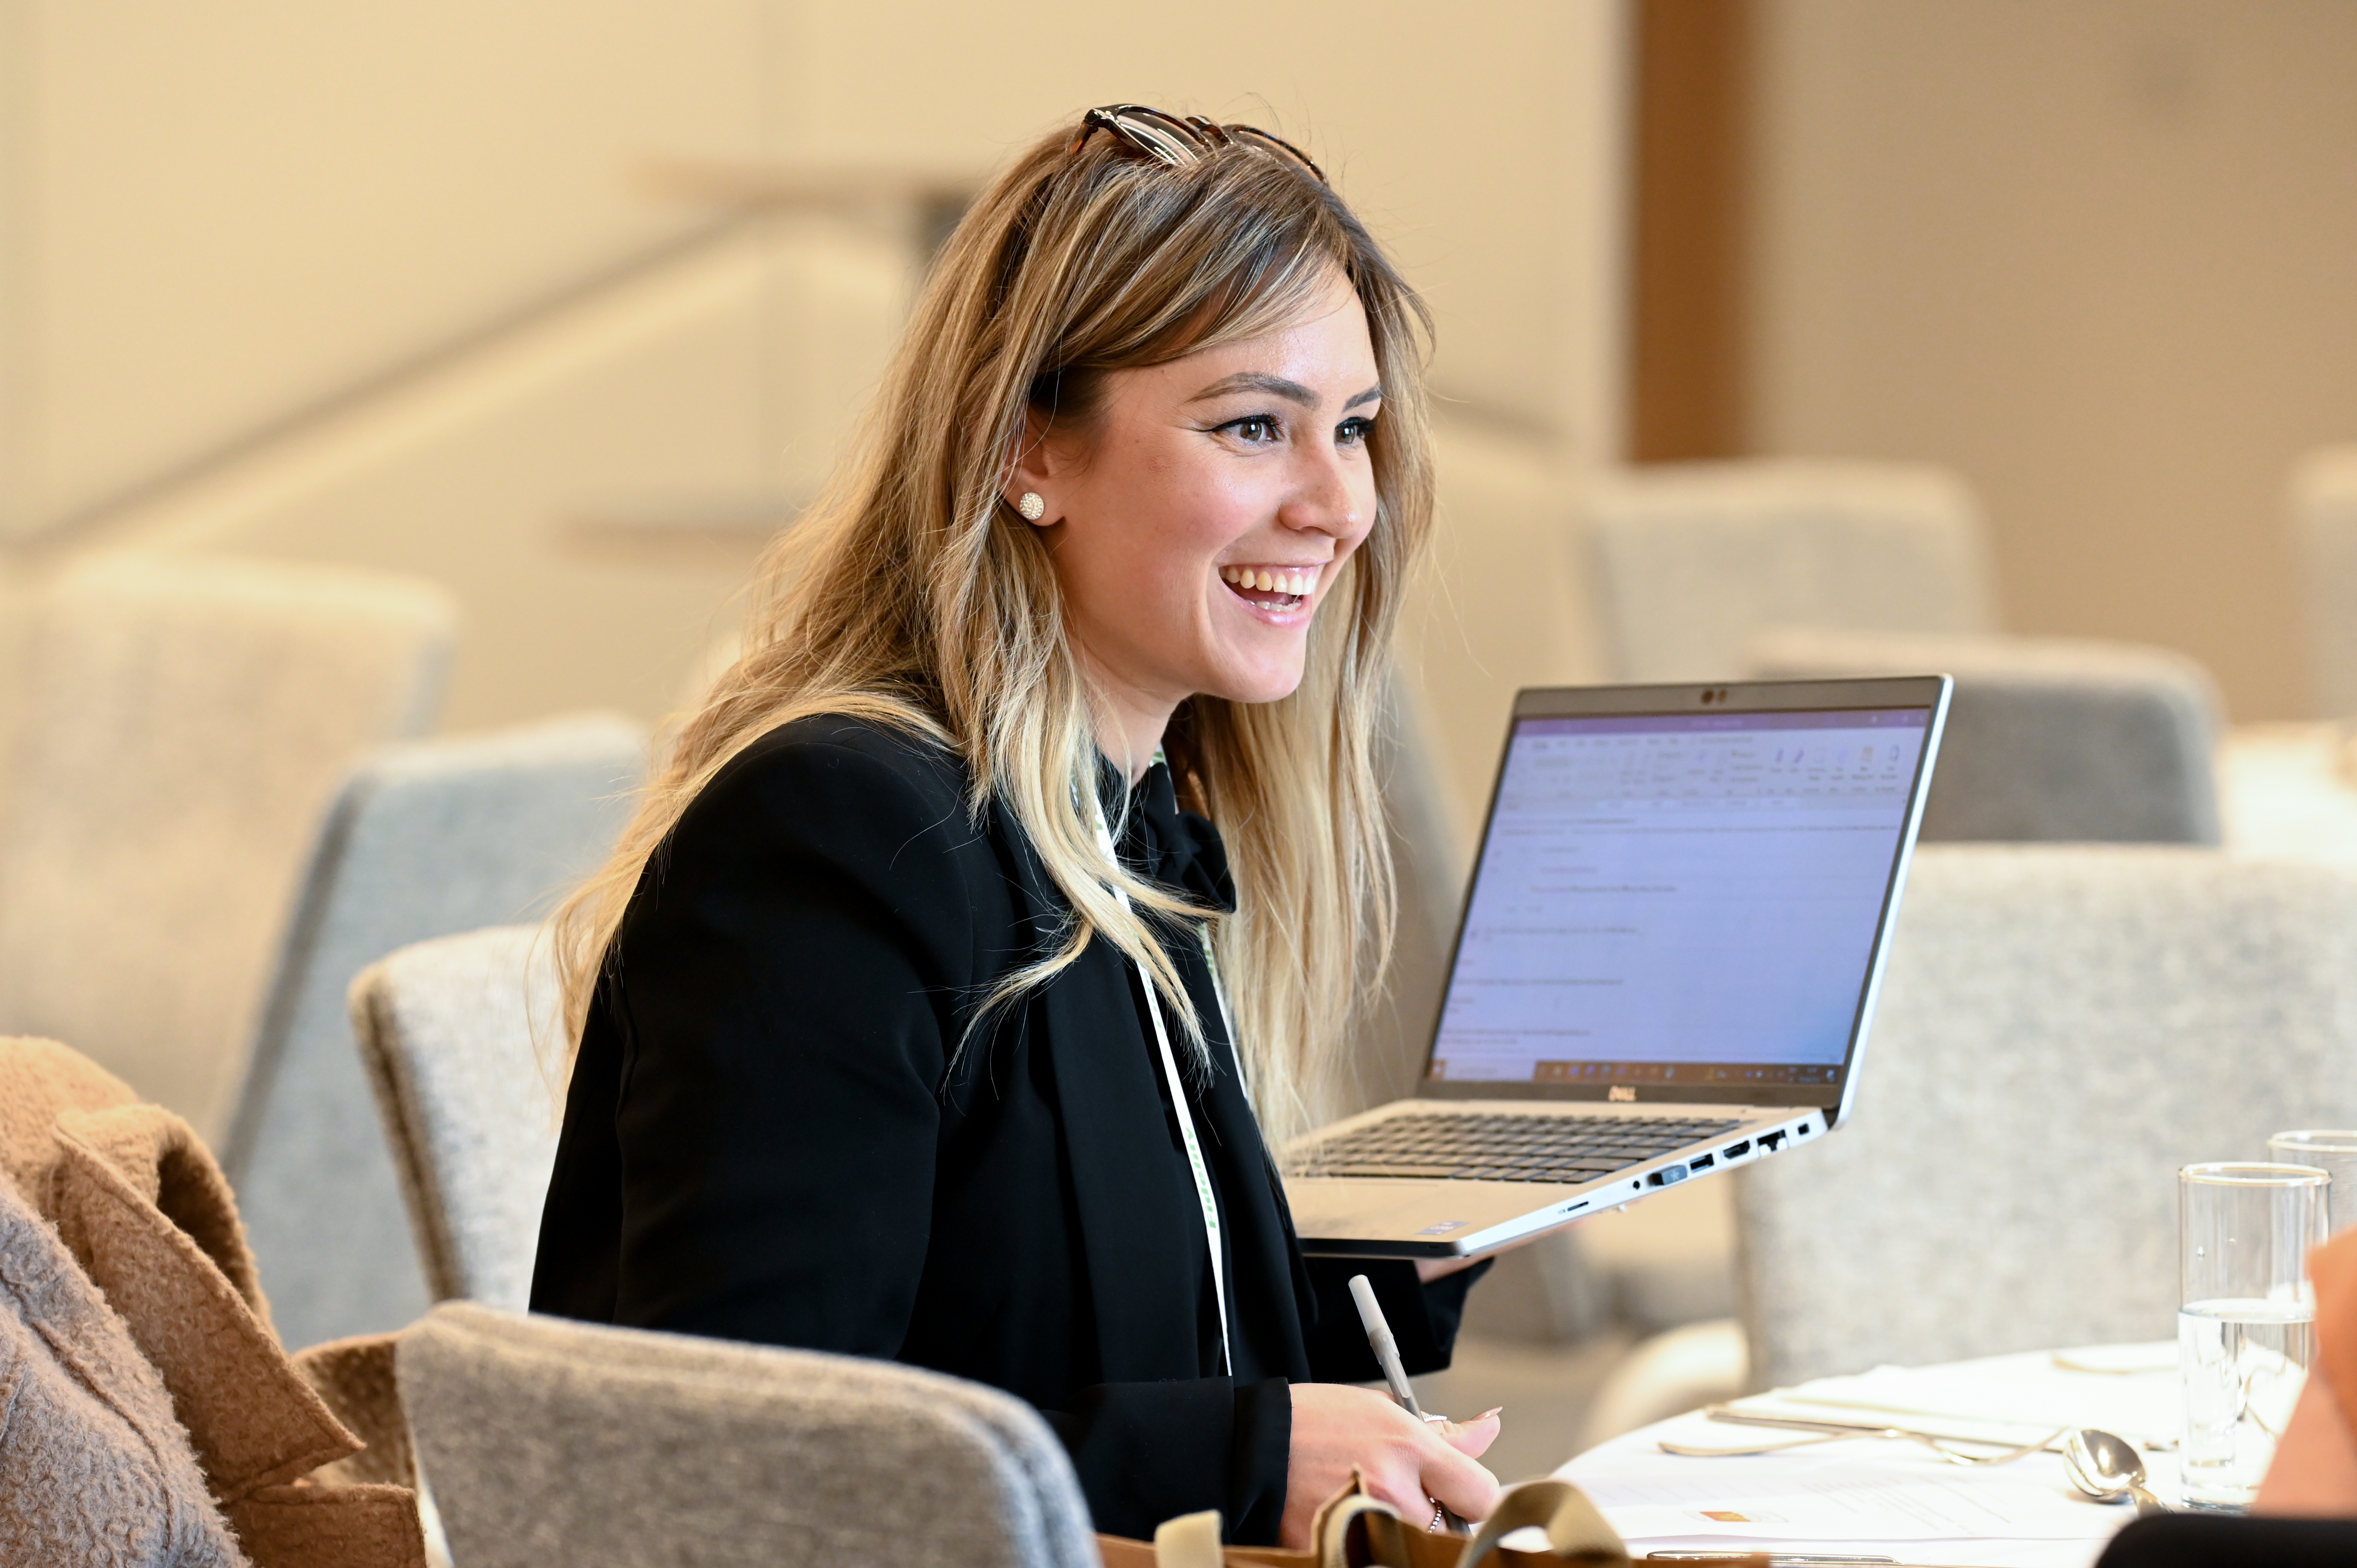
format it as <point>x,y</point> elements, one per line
<point>1621,1091</point>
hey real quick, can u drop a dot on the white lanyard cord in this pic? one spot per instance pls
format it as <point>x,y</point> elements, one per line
<point>1186,1117</point>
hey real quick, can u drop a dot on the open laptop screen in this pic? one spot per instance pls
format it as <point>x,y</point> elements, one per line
<point>1679,901</point>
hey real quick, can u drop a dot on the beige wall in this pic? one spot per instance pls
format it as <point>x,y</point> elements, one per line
<point>592,489</point>
<point>220,214</point>
<point>1481,141</point>
<point>2102,257</point>
<point>308,282</point>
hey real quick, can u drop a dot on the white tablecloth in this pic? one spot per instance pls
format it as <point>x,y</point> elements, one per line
<point>1894,1498</point>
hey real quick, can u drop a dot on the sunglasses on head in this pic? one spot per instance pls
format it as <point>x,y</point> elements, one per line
<point>1175,141</point>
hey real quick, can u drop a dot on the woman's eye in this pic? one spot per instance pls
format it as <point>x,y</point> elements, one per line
<point>1354,432</point>
<point>1258,429</point>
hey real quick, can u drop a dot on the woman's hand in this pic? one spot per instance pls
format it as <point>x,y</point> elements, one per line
<point>2315,1470</point>
<point>1405,1461</point>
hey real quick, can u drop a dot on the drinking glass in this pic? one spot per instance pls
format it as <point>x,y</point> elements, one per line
<point>2334,1153</point>
<point>2244,1323</point>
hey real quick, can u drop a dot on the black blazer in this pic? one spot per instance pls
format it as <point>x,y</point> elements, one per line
<point>772,1134</point>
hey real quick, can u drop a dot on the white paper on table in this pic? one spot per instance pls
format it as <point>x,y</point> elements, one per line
<point>2008,1398</point>
<point>1655,1497</point>
<point>1912,1554</point>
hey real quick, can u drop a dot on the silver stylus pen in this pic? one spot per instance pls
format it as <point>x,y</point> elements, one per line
<point>1387,1348</point>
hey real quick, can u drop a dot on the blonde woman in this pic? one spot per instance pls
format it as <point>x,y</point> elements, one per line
<point>898,1014</point>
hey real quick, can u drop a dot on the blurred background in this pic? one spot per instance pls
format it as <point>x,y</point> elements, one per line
<point>562,310</point>
<point>565,306</point>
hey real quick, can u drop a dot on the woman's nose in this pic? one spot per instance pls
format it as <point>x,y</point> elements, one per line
<point>1324,499</point>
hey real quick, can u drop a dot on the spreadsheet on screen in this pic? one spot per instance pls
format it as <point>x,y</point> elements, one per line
<point>1660,891</point>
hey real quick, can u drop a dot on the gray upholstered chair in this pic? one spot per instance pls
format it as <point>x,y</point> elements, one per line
<point>544,1440</point>
<point>425,839</point>
<point>453,1031</point>
<point>2324,533</point>
<point>2049,739</point>
<point>186,723</point>
<point>2060,1029</point>
<point>1691,561</point>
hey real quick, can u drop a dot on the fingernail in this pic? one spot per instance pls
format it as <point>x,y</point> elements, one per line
<point>1490,1411</point>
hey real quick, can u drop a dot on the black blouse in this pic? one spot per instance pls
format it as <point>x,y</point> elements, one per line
<point>781,1128</point>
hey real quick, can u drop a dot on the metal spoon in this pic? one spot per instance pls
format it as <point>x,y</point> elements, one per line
<point>2107,1467</point>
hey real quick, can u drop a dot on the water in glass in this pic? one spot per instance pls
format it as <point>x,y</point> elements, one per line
<point>2243,1362</point>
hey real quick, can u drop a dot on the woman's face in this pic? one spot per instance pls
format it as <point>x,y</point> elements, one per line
<point>1198,527</point>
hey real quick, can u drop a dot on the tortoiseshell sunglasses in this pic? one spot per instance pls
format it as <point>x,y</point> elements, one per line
<point>1175,141</point>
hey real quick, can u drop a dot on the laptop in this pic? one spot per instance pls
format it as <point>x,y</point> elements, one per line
<point>1666,966</point>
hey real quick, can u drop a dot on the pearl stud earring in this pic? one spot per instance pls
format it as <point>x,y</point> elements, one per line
<point>1031,506</point>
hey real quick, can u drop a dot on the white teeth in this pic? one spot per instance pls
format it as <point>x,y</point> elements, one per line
<point>1296,580</point>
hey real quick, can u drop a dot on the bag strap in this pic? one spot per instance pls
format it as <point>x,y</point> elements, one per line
<point>1189,1541</point>
<point>1576,1531</point>
<point>1192,1540</point>
<point>1386,1536</point>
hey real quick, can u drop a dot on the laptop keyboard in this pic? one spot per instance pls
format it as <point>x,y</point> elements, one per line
<point>1502,1148</point>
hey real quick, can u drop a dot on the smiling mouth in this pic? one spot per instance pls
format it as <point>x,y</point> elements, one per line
<point>1272,587</point>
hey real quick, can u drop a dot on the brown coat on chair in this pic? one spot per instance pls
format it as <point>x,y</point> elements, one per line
<point>163,1423</point>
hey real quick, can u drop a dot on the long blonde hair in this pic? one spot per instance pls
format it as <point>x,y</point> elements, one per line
<point>913,594</point>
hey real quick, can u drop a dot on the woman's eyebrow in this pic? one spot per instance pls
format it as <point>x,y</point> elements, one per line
<point>1276,386</point>
<point>1260,382</point>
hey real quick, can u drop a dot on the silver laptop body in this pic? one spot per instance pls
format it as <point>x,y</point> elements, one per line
<point>1665,969</point>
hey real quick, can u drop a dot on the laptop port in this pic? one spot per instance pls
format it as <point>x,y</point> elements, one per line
<point>1771,1141</point>
<point>1701,1162</point>
<point>1668,1175</point>
<point>1737,1151</point>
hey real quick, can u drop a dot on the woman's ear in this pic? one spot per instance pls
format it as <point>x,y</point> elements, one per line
<point>1033,469</point>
